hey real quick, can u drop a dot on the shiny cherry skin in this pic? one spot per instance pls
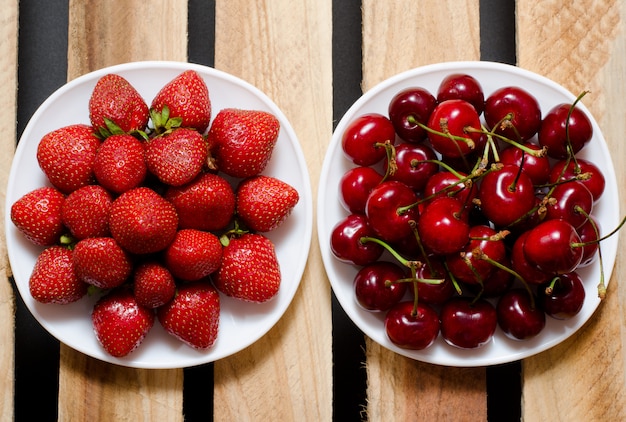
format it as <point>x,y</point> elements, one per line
<point>443,226</point>
<point>566,297</point>
<point>519,263</point>
<point>468,325</point>
<point>413,166</point>
<point>434,294</point>
<point>568,169</point>
<point>412,330</point>
<point>383,210</point>
<point>363,139</point>
<point>523,108</point>
<point>446,183</point>
<point>376,287</point>
<point>407,108</point>
<point>566,197</point>
<point>346,244</point>
<point>551,246</point>
<point>553,135</point>
<point>458,118</point>
<point>588,235</point>
<point>496,284</point>
<point>519,316</point>
<point>462,86</point>
<point>506,195</point>
<point>355,186</point>
<point>537,168</point>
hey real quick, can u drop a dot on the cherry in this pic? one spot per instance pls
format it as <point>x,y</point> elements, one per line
<point>454,128</point>
<point>363,141</point>
<point>553,132</point>
<point>513,113</point>
<point>467,324</point>
<point>497,283</point>
<point>434,294</point>
<point>407,108</point>
<point>518,316</point>
<point>469,265</point>
<point>443,226</point>
<point>463,87</point>
<point>414,165</point>
<point>412,327</point>
<point>506,195</point>
<point>567,199</point>
<point>589,236</point>
<point>376,287</point>
<point>355,186</point>
<point>537,168</point>
<point>562,298</point>
<point>552,247</point>
<point>569,169</point>
<point>389,209</point>
<point>446,183</point>
<point>345,241</point>
<point>519,263</point>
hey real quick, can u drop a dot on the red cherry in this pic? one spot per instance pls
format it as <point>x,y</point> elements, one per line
<point>345,241</point>
<point>565,297</point>
<point>553,135</point>
<point>434,294</point>
<point>463,87</point>
<point>518,316</point>
<point>537,168</point>
<point>375,286</point>
<point>551,246</point>
<point>446,183</point>
<point>355,186</point>
<point>389,210</point>
<point>523,108</point>
<point>413,168</point>
<point>468,265</point>
<point>364,138</point>
<point>454,118</point>
<point>407,108</point>
<point>467,324</point>
<point>443,226</point>
<point>568,169</point>
<point>409,329</point>
<point>519,263</point>
<point>567,198</point>
<point>496,284</point>
<point>589,237</point>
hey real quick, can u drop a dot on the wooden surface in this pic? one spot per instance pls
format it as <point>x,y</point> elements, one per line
<point>285,49</point>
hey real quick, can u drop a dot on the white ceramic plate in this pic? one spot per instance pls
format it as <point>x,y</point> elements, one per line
<point>329,211</point>
<point>241,323</point>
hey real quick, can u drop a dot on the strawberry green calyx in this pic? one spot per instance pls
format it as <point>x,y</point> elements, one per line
<point>162,122</point>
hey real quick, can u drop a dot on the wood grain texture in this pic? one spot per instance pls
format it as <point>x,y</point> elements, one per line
<point>126,30</point>
<point>399,388</point>
<point>581,45</point>
<point>8,93</point>
<point>284,48</point>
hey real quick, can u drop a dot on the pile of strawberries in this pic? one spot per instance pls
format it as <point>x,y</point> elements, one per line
<point>157,210</point>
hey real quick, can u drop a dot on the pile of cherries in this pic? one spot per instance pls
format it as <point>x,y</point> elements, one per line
<point>466,212</point>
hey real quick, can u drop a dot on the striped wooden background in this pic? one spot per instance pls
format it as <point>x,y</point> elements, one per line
<point>313,58</point>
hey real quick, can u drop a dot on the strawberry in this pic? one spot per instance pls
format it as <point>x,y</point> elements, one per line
<point>142,221</point>
<point>264,202</point>
<point>242,141</point>
<point>37,215</point>
<point>120,163</point>
<point>101,262</point>
<point>206,203</point>
<point>194,254</point>
<point>177,157</point>
<point>250,269</point>
<point>153,284</point>
<point>66,156</point>
<point>187,99</point>
<point>120,323</point>
<point>115,99</point>
<point>85,212</point>
<point>53,279</point>
<point>193,315</point>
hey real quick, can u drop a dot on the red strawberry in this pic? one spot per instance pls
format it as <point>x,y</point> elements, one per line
<point>37,215</point>
<point>153,285</point>
<point>187,98</point>
<point>193,315</point>
<point>177,157</point>
<point>250,269</point>
<point>264,202</point>
<point>115,99</point>
<point>243,140</point>
<point>207,203</point>
<point>120,163</point>
<point>101,262</point>
<point>53,279</point>
<point>194,254</point>
<point>120,323</point>
<point>66,156</point>
<point>85,212</point>
<point>142,221</point>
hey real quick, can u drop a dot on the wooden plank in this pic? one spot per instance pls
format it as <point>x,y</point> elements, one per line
<point>398,36</point>
<point>8,92</point>
<point>581,45</point>
<point>283,48</point>
<point>103,34</point>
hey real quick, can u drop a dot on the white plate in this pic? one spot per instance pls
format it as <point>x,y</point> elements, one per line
<point>241,323</point>
<point>329,212</point>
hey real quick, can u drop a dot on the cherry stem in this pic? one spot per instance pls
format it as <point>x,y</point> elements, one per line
<point>453,279</point>
<point>481,255</point>
<point>569,114</point>
<point>470,143</point>
<point>392,165</point>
